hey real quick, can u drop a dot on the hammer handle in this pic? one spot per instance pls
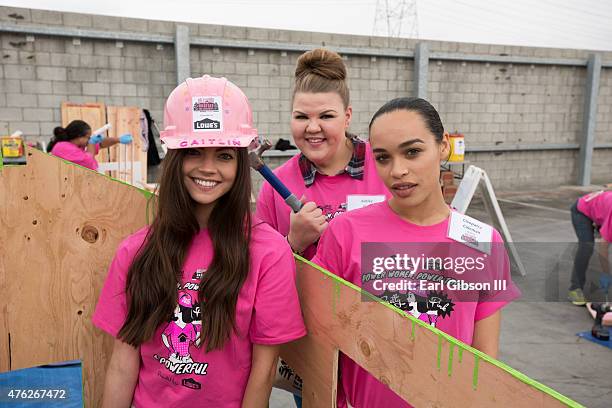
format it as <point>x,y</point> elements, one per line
<point>291,200</point>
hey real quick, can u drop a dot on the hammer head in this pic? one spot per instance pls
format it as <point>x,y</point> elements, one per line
<point>255,159</point>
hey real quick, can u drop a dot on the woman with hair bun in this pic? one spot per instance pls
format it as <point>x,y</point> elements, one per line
<point>333,163</point>
<point>75,143</point>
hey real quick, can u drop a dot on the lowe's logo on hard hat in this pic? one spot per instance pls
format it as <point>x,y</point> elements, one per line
<point>207,124</point>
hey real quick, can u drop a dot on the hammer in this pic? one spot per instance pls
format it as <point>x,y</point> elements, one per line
<point>257,163</point>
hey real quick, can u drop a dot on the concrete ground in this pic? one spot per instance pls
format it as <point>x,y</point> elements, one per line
<point>538,335</point>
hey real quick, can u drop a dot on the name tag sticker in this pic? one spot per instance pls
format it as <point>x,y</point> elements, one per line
<point>356,201</point>
<point>470,232</point>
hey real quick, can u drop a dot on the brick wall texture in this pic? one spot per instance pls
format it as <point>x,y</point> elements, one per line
<point>491,103</point>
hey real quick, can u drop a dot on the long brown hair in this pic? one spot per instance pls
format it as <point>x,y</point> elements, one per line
<point>156,271</point>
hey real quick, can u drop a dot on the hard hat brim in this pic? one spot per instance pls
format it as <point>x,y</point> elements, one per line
<point>190,142</point>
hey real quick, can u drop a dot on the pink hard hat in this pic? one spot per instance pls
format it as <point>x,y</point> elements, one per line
<point>207,112</point>
<point>185,299</point>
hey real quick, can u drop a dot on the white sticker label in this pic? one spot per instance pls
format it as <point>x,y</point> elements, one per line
<point>207,113</point>
<point>470,232</point>
<point>354,202</point>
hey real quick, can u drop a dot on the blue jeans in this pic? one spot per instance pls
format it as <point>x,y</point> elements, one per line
<point>583,226</point>
<point>298,401</point>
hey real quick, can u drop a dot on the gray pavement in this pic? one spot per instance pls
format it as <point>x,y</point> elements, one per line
<point>538,335</point>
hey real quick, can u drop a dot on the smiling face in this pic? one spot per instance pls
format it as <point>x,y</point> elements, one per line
<point>208,174</point>
<point>318,124</point>
<point>408,159</point>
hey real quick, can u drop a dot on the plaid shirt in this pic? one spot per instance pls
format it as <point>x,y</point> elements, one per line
<point>354,167</point>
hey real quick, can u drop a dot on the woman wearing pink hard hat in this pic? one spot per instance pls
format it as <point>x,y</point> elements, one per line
<point>195,315</point>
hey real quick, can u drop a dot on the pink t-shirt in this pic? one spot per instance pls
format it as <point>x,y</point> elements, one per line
<point>598,207</point>
<point>174,372</point>
<point>328,192</point>
<point>340,252</point>
<point>71,152</point>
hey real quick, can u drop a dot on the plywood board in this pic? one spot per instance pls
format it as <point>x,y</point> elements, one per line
<point>61,224</point>
<point>423,365</point>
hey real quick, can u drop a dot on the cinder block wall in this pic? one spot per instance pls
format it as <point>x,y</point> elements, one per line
<point>491,103</point>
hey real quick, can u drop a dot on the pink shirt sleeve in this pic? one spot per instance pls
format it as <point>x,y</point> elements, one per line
<point>265,210</point>
<point>330,251</point>
<point>111,309</point>
<point>277,316</point>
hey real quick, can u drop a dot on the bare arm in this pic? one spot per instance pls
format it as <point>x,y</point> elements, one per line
<point>121,376</point>
<point>108,142</point>
<point>263,371</point>
<point>604,247</point>
<point>486,334</point>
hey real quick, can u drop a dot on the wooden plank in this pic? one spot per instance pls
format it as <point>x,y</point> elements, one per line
<point>126,119</point>
<point>5,357</point>
<point>61,224</point>
<point>419,363</point>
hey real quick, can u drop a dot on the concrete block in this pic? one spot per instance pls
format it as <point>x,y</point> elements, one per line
<point>137,50</point>
<point>257,34</point>
<point>379,85</point>
<point>28,128</point>
<point>106,48</point>
<point>86,47</point>
<point>231,32</point>
<point>109,75</point>
<point>38,114</point>
<point>106,23</point>
<point>36,87</point>
<point>21,100</point>
<point>47,17</point>
<point>65,60</point>
<point>19,72</point>
<point>258,81</point>
<point>50,44</point>
<point>50,101</point>
<point>141,102</point>
<point>96,88</point>
<point>137,63</point>
<point>269,93</point>
<point>223,68</point>
<point>78,20</point>
<point>268,69</point>
<point>137,77</point>
<point>4,128</point>
<point>94,61</point>
<point>10,114</point>
<point>133,24</point>
<point>210,30</point>
<point>161,27</point>
<point>10,85</point>
<point>51,73</point>
<point>81,74</point>
<point>123,90</point>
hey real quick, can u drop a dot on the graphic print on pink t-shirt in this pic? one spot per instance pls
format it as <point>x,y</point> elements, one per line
<point>183,330</point>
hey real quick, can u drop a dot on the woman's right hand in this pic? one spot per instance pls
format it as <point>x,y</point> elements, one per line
<point>306,226</point>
